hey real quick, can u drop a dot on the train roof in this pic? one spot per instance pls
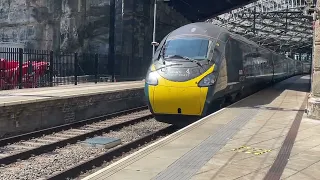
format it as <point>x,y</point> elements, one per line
<point>200,29</point>
<point>214,31</point>
<point>241,38</point>
<point>208,29</point>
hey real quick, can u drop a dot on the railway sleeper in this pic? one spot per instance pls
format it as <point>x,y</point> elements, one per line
<point>21,146</point>
<point>45,140</point>
<point>35,144</point>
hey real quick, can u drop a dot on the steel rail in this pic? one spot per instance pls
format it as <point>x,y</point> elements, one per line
<point>51,146</point>
<point>39,133</point>
<point>76,170</point>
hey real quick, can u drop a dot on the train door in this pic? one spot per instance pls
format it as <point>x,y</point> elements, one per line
<point>277,65</point>
<point>249,56</point>
<point>216,53</point>
<point>234,61</point>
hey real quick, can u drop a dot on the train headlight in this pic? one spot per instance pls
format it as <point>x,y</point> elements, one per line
<point>152,78</point>
<point>208,80</point>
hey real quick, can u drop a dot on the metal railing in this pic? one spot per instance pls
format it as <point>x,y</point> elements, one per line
<point>27,68</point>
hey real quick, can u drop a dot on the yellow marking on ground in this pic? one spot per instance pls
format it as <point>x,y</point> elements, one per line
<point>251,150</point>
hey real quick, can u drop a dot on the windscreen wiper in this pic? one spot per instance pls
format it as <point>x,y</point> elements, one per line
<point>168,66</point>
<point>193,60</point>
<point>187,58</point>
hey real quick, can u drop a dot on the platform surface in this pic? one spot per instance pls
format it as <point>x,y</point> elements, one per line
<point>264,136</point>
<point>9,97</point>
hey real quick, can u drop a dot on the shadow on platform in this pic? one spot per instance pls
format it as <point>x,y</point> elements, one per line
<point>296,83</point>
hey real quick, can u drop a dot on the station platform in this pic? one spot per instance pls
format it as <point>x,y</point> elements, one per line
<point>25,110</point>
<point>264,136</point>
<point>21,96</point>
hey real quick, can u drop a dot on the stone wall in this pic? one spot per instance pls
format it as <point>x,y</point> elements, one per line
<point>25,21</point>
<point>83,25</point>
<point>68,25</point>
<point>134,27</point>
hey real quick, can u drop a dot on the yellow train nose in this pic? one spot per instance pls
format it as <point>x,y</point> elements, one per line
<point>178,100</point>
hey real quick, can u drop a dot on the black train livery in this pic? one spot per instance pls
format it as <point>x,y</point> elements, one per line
<point>200,65</point>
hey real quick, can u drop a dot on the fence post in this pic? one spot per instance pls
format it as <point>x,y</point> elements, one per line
<point>76,62</point>
<point>20,67</point>
<point>51,69</point>
<point>96,61</point>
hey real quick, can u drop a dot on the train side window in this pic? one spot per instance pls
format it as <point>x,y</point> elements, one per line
<point>248,59</point>
<point>248,66</point>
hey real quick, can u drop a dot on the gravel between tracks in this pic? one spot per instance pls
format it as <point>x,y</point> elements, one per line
<point>11,149</point>
<point>60,159</point>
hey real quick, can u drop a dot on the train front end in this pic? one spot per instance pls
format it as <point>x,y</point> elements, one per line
<point>177,98</point>
<point>181,78</point>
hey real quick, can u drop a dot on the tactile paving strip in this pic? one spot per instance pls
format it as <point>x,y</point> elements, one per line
<point>277,168</point>
<point>190,163</point>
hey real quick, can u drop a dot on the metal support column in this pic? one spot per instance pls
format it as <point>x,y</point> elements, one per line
<point>254,20</point>
<point>111,55</point>
<point>154,27</point>
<point>287,17</point>
<point>300,56</point>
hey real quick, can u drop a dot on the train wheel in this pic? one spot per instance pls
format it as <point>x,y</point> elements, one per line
<point>238,97</point>
<point>162,118</point>
<point>215,106</point>
<point>227,101</point>
<point>178,121</point>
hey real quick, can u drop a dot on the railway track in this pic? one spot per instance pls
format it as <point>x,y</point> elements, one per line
<point>59,152</point>
<point>24,146</point>
<point>108,156</point>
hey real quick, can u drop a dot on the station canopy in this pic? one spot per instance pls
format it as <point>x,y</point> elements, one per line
<point>200,10</point>
<point>279,25</point>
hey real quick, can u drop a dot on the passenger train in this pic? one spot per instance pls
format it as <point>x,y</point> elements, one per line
<point>200,66</point>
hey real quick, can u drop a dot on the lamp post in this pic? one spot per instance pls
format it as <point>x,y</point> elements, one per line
<point>154,43</point>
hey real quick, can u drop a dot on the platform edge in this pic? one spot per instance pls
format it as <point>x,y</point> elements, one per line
<point>113,166</point>
<point>65,97</point>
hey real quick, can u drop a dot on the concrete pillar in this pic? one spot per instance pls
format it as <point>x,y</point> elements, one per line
<point>313,106</point>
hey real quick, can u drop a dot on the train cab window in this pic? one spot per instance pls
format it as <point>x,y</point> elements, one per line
<point>158,49</point>
<point>195,48</point>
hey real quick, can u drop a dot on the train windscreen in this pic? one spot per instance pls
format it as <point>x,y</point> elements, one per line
<point>195,48</point>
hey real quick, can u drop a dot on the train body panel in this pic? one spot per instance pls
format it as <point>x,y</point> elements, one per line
<point>200,64</point>
<point>165,97</point>
<point>306,68</point>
